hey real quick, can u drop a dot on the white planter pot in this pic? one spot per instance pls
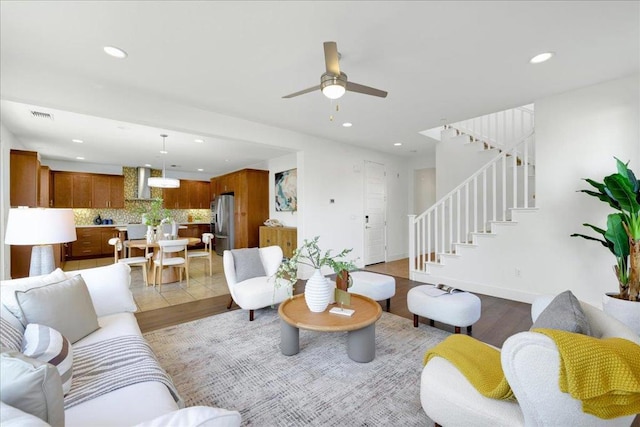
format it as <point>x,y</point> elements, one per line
<point>317,292</point>
<point>628,312</point>
<point>150,234</point>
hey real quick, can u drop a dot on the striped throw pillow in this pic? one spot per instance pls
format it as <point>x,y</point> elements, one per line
<point>10,337</point>
<point>48,345</point>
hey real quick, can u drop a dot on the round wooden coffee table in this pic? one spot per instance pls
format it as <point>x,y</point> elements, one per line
<point>361,326</point>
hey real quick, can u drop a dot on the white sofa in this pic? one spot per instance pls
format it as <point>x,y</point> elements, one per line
<point>147,403</point>
<point>531,363</point>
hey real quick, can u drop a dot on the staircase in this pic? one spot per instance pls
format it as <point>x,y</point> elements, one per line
<point>488,200</point>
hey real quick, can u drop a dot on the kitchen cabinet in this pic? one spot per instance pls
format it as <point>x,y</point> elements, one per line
<point>21,259</point>
<point>85,190</point>
<point>285,237</point>
<point>190,195</point>
<point>213,188</point>
<point>92,242</point>
<point>44,193</point>
<point>24,176</point>
<point>250,188</point>
<point>195,230</point>
<point>107,191</point>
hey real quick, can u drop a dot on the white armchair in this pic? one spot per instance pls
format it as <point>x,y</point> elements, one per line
<point>255,292</point>
<point>530,362</point>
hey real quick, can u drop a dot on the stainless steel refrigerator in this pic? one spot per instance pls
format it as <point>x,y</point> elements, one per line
<point>223,231</point>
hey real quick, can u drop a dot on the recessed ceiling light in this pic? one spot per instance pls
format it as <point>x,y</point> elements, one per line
<point>397,144</point>
<point>198,140</point>
<point>164,152</point>
<point>541,57</point>
<point>226,160</point>
<point>200,169</point>
<point>79,158</point>
<point>347,125</point>
<point>147,165</point>
<point>79,141</point>
<point>116,52</point>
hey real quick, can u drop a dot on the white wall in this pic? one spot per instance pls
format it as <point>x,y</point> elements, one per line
<point>577,135</point>
<point>424,187</point>
<point>7,142</point>
<point>429,189</point>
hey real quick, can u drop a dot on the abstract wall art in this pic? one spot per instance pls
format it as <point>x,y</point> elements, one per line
<point>287,191</point>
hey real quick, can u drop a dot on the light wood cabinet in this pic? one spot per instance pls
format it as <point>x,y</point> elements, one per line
<point>285,237</point>
<point>107,191</point>
<point>24,175</point>
<point>199,195</point>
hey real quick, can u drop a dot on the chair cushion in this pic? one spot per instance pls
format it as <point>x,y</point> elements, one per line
<point>247,263</point>
<point>48,345</point>
<point>32,386</point>
<point>65,306</point>
<point>565,313</point>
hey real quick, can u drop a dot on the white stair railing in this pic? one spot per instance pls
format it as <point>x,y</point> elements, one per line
<point>486,196</point>
<point>499,130</point>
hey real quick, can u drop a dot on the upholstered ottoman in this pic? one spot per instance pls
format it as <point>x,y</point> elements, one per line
<point>458,309</point>
<point>376,286</point>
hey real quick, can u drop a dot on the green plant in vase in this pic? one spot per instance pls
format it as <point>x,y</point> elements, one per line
<point>155,213</point>
<point>622,236</point>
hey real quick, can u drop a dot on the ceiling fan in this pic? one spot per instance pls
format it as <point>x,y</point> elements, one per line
<point>334,83</point>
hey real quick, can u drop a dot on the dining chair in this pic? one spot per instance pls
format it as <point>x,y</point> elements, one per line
<point>139,261</point>
<point>167,258</point>
<point>134,232</point>
<point>207,239</point>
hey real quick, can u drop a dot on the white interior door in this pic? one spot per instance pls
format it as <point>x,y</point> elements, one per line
<point>375,225</point>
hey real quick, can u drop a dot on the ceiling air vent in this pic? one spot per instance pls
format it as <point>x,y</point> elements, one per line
<point>41,115</point>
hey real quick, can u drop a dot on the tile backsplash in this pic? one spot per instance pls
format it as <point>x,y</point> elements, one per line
<point>133,208</point>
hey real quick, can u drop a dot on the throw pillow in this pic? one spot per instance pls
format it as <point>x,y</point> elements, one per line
<point>32,386</point>
<point>10,337</point>
<point>565,313</point>
<point>8,290</point>
<point>65,306</point>
<point>247,263</point>
<point>48,345</point>
<point>109,288</point>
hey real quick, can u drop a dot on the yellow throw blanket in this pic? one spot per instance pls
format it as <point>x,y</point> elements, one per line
<point>603,373</point>
<point>477,361</point>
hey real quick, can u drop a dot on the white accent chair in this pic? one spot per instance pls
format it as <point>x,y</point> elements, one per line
<point>207,238</point>
<point>257,292</point>
<point>138,261</point>
<point>166,258</point>
<point>134,232</point>
<point>530,362</point>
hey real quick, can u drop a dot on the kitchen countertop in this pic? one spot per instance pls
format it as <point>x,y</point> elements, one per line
<point>125,225</point>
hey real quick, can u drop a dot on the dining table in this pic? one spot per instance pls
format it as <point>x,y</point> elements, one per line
<point>169,274</point>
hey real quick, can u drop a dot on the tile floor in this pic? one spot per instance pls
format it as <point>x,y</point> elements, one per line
<point>201,284</point>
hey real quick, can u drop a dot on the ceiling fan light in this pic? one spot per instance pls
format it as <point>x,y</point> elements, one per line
<point>333,91</point>
<point>163,182</point>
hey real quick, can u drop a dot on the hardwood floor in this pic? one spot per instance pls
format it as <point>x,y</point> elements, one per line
<point>500,318</point>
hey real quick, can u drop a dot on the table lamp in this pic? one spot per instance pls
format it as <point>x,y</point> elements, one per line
<point>42,228</point>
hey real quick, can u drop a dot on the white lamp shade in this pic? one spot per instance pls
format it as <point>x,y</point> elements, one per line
<point>164,182</point>
<point>334,91</point>
<point>39,226</point>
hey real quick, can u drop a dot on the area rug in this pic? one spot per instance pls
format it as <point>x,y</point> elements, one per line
<point>228,362</point>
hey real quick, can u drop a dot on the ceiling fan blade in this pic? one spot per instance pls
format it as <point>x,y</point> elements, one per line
<point>331,59</point>
<point>302,92</point>
<point>355,87</point>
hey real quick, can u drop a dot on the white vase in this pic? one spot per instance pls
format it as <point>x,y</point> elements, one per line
<point>317,292</point>
<point>628,312</point>
<point>150,234</point>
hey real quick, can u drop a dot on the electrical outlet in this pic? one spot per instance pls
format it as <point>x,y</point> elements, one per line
<point>517,272</point>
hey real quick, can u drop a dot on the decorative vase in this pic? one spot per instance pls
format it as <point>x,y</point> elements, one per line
<point>342,280</point>
<point>150,234</point>
<point>628,312</point>
<point>317,292</point>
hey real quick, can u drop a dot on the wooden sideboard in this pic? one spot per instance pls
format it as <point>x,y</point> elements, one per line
<point>285,237</point>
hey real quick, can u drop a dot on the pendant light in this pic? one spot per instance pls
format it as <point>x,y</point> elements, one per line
<point>163,182</point>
